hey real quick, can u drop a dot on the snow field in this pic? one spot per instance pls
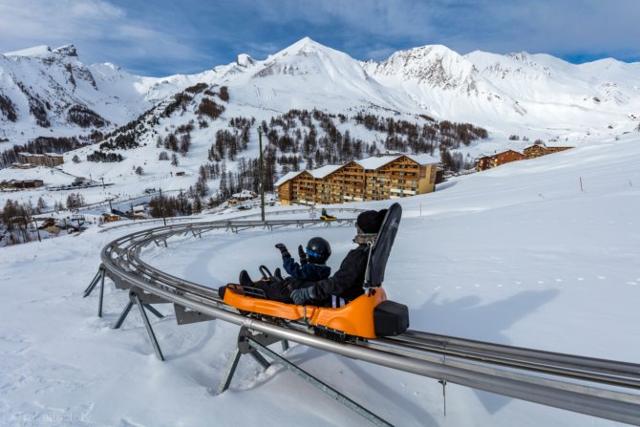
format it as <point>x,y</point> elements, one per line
<point>516,255</point>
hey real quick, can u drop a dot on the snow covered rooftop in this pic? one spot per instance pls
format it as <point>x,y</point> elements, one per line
<point>323,171</point>
<point>244,194</point>
<point>286,177</point>
<point>376,162</point>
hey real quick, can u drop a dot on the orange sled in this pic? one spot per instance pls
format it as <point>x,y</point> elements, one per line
<point>357,318</point>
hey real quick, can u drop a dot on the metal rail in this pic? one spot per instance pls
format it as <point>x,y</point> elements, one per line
<point>485,366</point>
<point>604,371</point>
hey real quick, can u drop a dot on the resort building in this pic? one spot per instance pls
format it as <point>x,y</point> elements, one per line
<point>47,159</point>
<point>376,178</point>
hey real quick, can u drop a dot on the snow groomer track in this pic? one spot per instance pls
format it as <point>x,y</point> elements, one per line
<point>602,388</point>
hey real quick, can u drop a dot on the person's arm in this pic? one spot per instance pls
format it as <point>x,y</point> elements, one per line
<point>292,267</point>
<point>350,272</point>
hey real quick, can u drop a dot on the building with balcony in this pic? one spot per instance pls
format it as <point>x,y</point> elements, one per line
<point>376,178</point>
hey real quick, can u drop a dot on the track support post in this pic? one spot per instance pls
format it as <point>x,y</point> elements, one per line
<point>152,336</point>
<point>98,278</point>
<point>94,282</point>
<point>143,302</point>
<point>256,344</point>
<point>444,396</point>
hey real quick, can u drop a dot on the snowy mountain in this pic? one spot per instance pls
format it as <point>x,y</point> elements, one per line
<point>45,91</point>
<point>320,106</point>
<point>514,90</point>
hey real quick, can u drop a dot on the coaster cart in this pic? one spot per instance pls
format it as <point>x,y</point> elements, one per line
<point>326,217</point>
<point>368,316</point>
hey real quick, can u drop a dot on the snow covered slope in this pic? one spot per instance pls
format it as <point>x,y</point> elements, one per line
<point>517,255</point>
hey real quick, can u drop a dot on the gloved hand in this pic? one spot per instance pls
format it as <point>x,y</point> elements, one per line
<point>283,250</point>
<point>302,254</point>
<point>302,295</point>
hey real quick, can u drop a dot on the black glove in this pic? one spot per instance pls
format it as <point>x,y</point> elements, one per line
<point>302,254</point>
<point>302,295</point>
<point>283,250</point>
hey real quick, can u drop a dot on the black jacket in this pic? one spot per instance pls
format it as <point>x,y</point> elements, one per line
<point>347,281</point>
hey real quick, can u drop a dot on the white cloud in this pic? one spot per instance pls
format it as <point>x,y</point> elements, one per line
<point>101,30</point>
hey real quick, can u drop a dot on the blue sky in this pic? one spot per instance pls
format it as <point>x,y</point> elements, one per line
<point>160,37</point>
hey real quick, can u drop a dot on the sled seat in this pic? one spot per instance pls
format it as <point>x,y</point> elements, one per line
<point>357,318</point>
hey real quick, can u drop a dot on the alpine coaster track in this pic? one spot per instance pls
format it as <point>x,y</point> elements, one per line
<point>598,387</point>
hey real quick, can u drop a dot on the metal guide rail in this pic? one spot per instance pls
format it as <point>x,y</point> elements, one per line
<point>602,388</point>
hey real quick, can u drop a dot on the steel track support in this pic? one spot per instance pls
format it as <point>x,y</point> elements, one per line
<point>100,300</point>
<point>153,311</point>
<point>127,309</point>
<point>98,278</point>
<point>230,371</point>
<point>256,344</point>
<point>94,282</point>
<point>152,337</point>
<point>243,347</point>
<point>135,299</point>
<point>123,315</point>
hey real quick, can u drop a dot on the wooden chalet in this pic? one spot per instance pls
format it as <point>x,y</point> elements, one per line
<point>538,150</point>
<point>488,162</point>
<point>375,178</point>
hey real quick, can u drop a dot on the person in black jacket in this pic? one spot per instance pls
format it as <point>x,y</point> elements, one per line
<point>347,283</point>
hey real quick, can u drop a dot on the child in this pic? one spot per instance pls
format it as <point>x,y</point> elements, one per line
<point>311,269</point>
<point>312,265</point>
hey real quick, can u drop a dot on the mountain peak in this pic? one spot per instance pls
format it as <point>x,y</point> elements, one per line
<point>40,51</point>
<point>436,64</point>
<point>306,45</point>
<point>66,50</point>
<point>244,60</point>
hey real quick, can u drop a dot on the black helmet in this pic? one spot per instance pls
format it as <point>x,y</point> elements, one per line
<point>318,250</point>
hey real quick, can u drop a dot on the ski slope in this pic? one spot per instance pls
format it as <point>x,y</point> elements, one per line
<point>516,255</point>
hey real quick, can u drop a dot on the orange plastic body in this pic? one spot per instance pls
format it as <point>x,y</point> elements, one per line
<point>355,318</point>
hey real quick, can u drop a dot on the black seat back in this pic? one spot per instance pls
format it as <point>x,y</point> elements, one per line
<point>381,249</point>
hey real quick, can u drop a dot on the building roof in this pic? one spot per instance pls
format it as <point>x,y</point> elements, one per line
<point>325,170</point>
<point>244,194</point>
<point>376,162</point>
<point>423,159</point>
<point>507,151</point>
<point>287,177</point>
